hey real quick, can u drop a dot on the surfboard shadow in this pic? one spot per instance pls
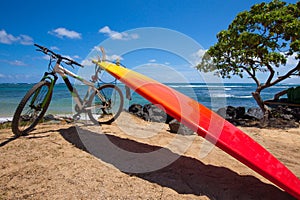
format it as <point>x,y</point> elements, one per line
<point>185,175</point>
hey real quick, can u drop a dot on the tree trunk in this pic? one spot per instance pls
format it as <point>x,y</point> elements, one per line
<point>263,107</point>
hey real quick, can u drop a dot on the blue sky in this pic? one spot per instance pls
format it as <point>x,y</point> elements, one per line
<point>74,28</point>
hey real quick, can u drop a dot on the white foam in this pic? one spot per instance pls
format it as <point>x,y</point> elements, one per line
<point>5,119</point>
<point>223,95</point>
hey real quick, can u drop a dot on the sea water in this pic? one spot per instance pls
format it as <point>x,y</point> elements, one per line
<point>213,96</point>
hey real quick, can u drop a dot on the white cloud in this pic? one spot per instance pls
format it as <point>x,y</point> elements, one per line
<point>25,40</point>
<point>2,76</point>
<point>292,61</point>
<point>54,48</point>
<point>6,38</point>
<point>63,32</point>
<point>14,62</point>
<point>117,35</point>
<point>45,57</point>
<point>76,57</point>
<point>197,56</point>
<point>152,61</point>
<point>67,56</point>
<point>17,63</point>
<point>114,57</point>
<point>87,62</point>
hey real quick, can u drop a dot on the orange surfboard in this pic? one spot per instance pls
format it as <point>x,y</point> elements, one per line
<point>208,125</point>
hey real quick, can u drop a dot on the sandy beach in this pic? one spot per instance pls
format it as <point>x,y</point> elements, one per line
<point>134,159</point>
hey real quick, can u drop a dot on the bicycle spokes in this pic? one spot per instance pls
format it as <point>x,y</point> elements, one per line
<point>106,104</point>
<point>32,108</point>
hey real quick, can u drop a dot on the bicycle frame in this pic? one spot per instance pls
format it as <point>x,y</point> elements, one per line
<point>64,73</point>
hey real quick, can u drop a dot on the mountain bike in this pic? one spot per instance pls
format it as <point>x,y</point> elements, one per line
<point>103,104</point>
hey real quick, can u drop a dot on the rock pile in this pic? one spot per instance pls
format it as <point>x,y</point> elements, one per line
<point>239,117</point>
<point>150,112</point>
<point>280,117</point>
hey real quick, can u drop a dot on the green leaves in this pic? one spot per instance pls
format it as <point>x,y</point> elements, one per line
<point>260,39</point>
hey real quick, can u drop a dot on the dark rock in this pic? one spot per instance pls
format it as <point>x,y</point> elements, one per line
<point>154,114</point>
<point>286,113</point>
<point>231,112</point>
<point>289,110</point>
<point>256,113</point>
<point>150,112</point>
<point>177,127</point>
<point>296,114</point>
<point>137,110</point>
<point>239,112</point>
<point>282,123</point>
<point>169,118</point>
<point>280,117</point>
<point>49,117</point>
<point>222,113</point>
<point>287,117</point>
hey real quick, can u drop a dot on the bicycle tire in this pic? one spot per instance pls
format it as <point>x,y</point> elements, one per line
<point>113,104</point>
<point>30,110</point>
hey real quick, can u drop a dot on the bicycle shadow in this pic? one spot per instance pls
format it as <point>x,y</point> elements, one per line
<point>29,136</point>
<point>185,175</point>
<point>8,140</point>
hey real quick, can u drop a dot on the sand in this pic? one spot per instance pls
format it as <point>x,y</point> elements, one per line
<point>134,159</point>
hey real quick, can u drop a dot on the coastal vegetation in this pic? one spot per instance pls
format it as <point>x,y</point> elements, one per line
<point>260,40</point>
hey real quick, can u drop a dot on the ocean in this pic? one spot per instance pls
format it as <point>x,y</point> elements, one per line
<point>213,96</point>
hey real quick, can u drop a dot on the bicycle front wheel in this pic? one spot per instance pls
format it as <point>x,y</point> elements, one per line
<point>106,104</point>
<point>31,108</point>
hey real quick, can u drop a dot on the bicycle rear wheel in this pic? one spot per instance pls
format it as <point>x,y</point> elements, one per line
<point>105,106</point>
<point>31,108</point>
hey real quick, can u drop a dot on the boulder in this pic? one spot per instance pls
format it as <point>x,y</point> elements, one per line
<point>137,110</point>
<point>154,114</point>
<point>176,127</point>
<point>231,112</point>
<point>240,112</point>
<point>222,113</point>
<point>256,113</point>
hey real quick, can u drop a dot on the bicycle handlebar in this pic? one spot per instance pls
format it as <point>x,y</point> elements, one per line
<point>66,60</point>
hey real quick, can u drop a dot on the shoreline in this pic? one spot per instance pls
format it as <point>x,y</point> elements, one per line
<point>238,116</point>
<point>9,119</point>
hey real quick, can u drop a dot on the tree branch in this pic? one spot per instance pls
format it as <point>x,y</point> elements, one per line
<point>271,76</point>
<point>252,75</point>
<point>288,74</point>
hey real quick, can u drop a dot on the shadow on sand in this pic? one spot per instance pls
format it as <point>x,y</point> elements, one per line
<point>185,175</point>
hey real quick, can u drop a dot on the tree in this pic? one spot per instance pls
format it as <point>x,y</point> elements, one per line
<point>259,40</point>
